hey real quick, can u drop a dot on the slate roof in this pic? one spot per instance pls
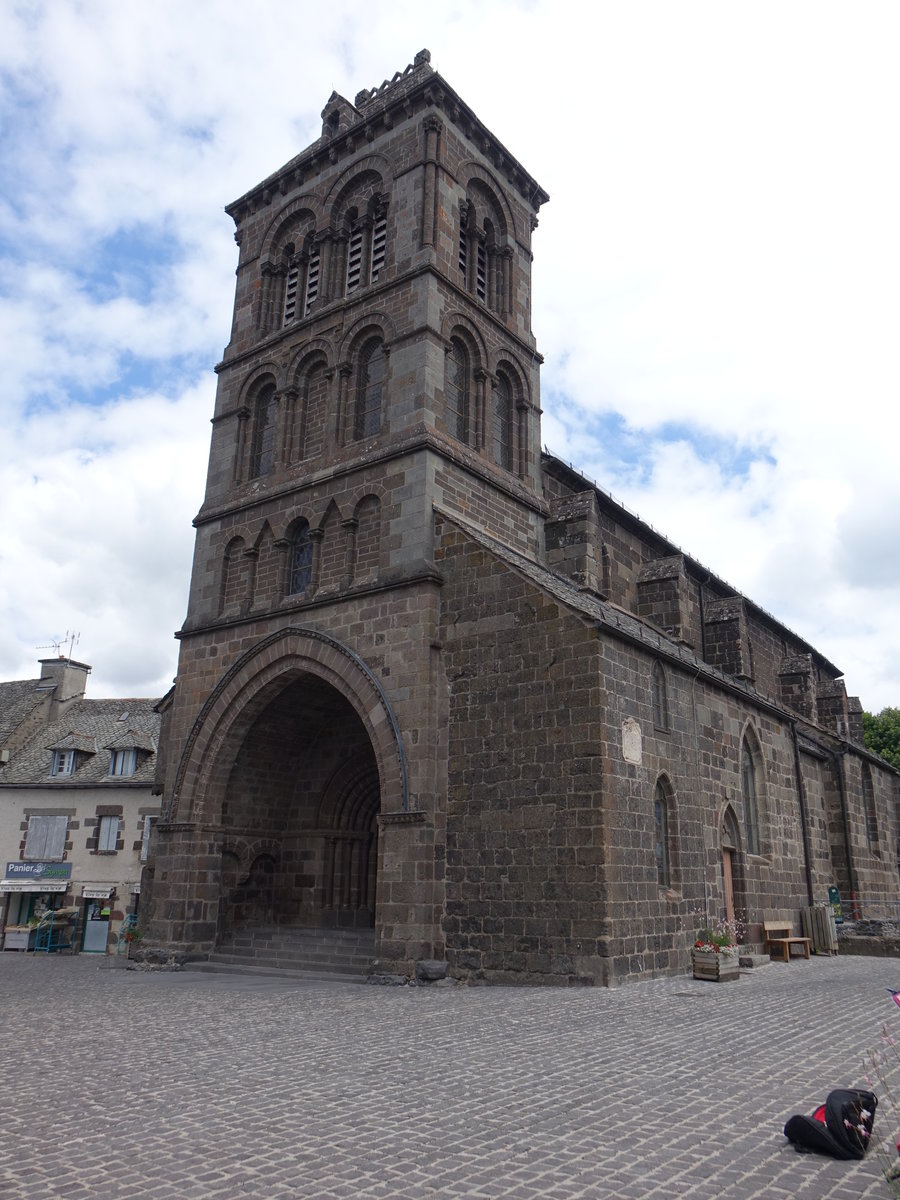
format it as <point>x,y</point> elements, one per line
<point>604,613</point>
<point>92,727</point>
<point>18,700</point>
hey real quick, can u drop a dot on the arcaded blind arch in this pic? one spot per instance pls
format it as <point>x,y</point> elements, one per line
<point>456,391</point>
<point>370,383</point>
<point>750,788</point>
<point>265,412</point>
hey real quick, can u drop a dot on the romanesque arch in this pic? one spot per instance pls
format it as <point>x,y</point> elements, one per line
<point>288,768</point>
<point>244,692</point>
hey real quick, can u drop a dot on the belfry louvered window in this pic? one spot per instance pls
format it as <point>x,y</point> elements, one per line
<point>291,287</point>
<point>379,243</point>
<point>354,260</point>
<point>312,282</point>
<point>481,271</point>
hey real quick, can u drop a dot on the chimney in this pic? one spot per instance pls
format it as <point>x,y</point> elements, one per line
<point>65,679</point>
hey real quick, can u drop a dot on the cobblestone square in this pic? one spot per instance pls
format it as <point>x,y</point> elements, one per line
<point>124,1084</point>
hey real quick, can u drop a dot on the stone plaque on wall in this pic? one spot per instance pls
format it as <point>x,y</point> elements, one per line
<point>631,741</point>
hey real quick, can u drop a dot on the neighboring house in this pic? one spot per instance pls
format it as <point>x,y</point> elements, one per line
<point>434,682</point>
<point>76,804</point>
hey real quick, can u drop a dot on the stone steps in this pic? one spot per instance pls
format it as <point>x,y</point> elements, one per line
<point>316,953</point>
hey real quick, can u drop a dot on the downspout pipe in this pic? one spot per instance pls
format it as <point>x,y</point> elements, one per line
<point>804,823</point>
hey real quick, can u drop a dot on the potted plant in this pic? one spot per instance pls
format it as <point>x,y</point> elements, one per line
<point>715,956</point>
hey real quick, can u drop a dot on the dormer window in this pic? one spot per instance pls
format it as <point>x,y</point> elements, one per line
<point>122,762</point>
<point>62,762</point>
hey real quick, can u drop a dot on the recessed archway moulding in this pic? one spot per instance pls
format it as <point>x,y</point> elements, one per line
<point>250,684</point>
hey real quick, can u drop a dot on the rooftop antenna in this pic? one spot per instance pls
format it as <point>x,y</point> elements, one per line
<point>70,641</point>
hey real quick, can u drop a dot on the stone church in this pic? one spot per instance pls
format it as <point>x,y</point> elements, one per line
<point>436,688</point>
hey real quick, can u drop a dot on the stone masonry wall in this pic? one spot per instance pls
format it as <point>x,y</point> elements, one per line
<point>525,841</point>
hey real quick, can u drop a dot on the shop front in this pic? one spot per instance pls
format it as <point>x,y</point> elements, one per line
<point>31,890</point>
<point>97,915</point>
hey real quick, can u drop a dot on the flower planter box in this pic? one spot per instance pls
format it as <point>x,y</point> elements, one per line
<point>715,966</point>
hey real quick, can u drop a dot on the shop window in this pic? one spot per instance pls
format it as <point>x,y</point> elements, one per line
<point>107,835</point>
<point>45,840</point>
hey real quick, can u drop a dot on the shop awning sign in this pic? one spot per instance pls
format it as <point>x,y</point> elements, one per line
<point>32,885</point>
<point>96,893</point>
<point>38,872</point>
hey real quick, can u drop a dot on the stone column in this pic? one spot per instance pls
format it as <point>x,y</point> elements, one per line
<point>324,241</point>
<point>480,390</point>
<point>315,536</point>
<point>429,203</point>
<point>345,370</point>
<point>240,450</point>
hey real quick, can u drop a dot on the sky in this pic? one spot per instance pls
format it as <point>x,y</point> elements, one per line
<point>716,287</point>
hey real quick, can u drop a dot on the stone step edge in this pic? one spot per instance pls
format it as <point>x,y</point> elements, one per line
<point>220,968</point>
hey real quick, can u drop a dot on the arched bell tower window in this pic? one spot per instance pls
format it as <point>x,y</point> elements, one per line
<point>481,260</point>
<point>366,234</point>
<point>301,280</point>
<point>456,391</point>
<point>265,411</point>
<point>370,382</point>
<point>502,423</point>
<point>301,551</point>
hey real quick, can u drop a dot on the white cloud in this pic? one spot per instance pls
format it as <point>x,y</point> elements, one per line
<point>717,266</point>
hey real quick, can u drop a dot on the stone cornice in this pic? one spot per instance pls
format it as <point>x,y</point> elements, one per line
<point>420,438</point>
<point>418,90</point>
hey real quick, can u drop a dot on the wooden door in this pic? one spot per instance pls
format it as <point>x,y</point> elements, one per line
<point>728,879</point>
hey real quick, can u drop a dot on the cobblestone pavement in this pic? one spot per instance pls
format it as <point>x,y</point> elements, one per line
<point>126,1084</point>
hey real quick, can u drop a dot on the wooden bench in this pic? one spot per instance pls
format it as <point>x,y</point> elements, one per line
<point>779,940</point>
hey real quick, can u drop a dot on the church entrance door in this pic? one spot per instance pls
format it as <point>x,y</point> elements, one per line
<point>299,814</point>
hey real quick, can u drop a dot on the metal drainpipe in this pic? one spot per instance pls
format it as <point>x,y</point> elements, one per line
<point>838,756</point>
<point>801,796</point>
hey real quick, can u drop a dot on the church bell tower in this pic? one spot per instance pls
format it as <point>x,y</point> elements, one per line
<point>381,369</point>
